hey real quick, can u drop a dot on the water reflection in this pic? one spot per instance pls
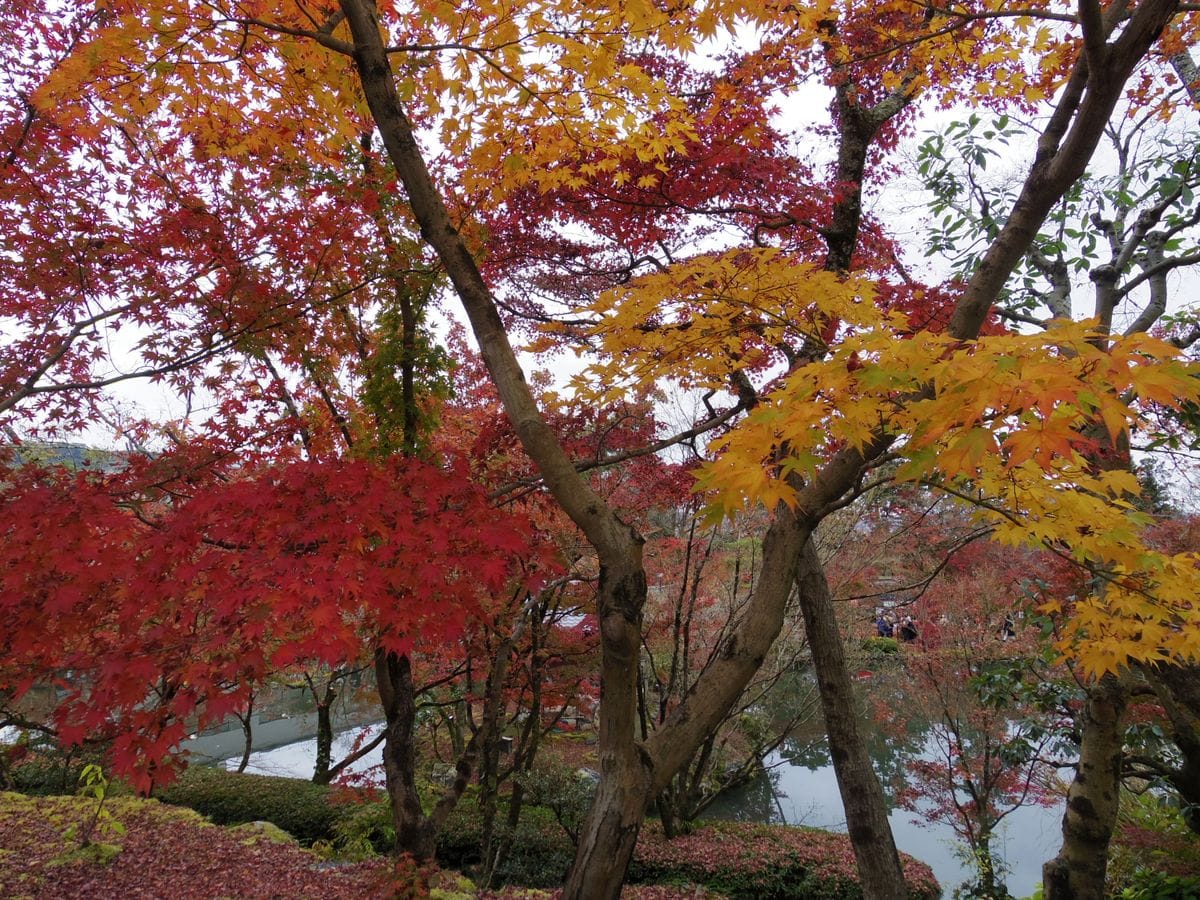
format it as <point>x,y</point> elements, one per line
<point>799,788</point>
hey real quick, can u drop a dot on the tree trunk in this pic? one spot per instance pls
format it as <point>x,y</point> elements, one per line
<point>321,770</point>
<point>985,865</point>
<point>247,734</point>
<point>525,751</point>
<point>862,795</point>
<point>396,691</point>
<point>489,765</point>
<point>610,831</point>
<point>1077,873</point>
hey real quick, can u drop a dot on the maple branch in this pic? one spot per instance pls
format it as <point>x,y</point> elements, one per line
<point>30,385</point>
<point>427,686</point>
<point>213,344</point>
<point>352,758</point>
<point>688,434</point>
<point>961,18</point>
<point>922,584</point>
<point>1023,13</point>
<point>322,36</point>
<point>26,125</point>
<point>768,220</point>
<point>492,711</point>
<point>1083,565</point>
<point>289,401</point>
<point>30,116</point>
<point>18,720</point>
<point>456,45</point>
<point>212,349</point>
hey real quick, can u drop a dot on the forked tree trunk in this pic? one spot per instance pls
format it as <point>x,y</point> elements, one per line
<point>416,832</point>
<point>1077,873</point>
<point>879,867</point>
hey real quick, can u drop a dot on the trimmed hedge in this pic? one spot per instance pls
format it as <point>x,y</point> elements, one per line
<point>739,860</point>
<point>48,774</point>
<point>300,808</point>
<point>539,857</point>
<point>764,862</point>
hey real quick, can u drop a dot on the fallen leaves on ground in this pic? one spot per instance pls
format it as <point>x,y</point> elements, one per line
<point>164,852</point>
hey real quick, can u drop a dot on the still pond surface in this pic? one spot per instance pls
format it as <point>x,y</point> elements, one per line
<point>803,790</point>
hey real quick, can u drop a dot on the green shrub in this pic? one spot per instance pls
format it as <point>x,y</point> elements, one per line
<point>300,808</point>
<point>363,829</point>
<point>460,841</point>
<point>1152,839</point>
<point>312,813</point>
<point>539,854</point>
<point>562,790</point>
<point>881,645</point>
<point>1145,884</point>
<point>46,770</point>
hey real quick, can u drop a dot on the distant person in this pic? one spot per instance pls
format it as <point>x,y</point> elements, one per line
<point>908,630</point>
<point>1009,631</point>
<point>883,626</point>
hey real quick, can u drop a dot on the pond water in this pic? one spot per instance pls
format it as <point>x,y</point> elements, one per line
<point>797,792</point>
<point>800,788</point>
<point>296,760</point>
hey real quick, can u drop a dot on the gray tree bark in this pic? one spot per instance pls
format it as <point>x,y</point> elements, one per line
<point>1077,872</point>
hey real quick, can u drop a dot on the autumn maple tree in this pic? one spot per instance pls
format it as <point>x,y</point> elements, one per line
<point>977,674</point>
<point>160,591</point>
<point>572,165</point>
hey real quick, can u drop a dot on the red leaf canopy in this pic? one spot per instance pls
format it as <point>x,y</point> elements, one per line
<point>142,614</point>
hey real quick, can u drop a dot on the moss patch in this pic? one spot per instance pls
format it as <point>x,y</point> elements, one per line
<point>253,832</point>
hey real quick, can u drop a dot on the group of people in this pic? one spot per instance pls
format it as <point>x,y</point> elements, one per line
<point>888,624</point>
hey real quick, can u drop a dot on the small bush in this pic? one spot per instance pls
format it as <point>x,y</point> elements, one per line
<point>562,790</point>
<point>540,852</point>
<point>1152,841</point>
<point>1147,885</point>
<point>460,842</point>
<point>300,808</point>
<point>363,830</point>
<point>881,645</point>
